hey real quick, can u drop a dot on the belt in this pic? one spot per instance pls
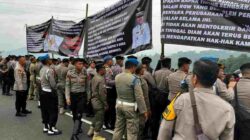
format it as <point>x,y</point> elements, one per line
<point>126,103</point>
<point>46,90</point>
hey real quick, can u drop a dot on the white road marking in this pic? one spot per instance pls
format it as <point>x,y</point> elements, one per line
<point>88,122</point>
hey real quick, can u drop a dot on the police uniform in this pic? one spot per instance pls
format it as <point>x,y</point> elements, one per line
<point>71,66</point>
<point>130,100</point>
<point>174,82</point>
<point>216,117</point>
<point>20,86</point>
<point>111,97</point>
<point>76,90</point>
<point>142,120</point>
<point>221,90</point>
<point>116,69</point>
<point>99,102</point>
<point>32,80</point>
<point>243,89</point>
<point>49,100</point>
<point>161,98</point>
<point>5,80</point>
<point>61,72</point>
<point>38,88</point>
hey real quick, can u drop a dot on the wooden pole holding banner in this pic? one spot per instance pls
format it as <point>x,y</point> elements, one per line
<point>162,50</point>
<point>26,26</point>
<point>87,10</point>
<point>86,25</point>
<point>52,54</point>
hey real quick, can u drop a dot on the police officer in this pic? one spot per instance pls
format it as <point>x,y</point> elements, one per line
<point>215,116</point>
<point>139,73</point>
<point>147,75</point>
<point>161,97</point>
<point>117,68</point>
<point>141,32</point>
<point>146,61</point>
<point>130,102</point>
<point>99,102</point>
<point>91,71</point>
<point>48,97</point>
<point>109,120</point>
<point>221,88</point>
<point>32,78</point>
<point>242,101</point>
<point>181,75</point>
<point>71,65</point>
<point>76,94</point>
<point>5,79</point>
<point>61,71</point>
<point>38,88</point>
<point>21,86</point>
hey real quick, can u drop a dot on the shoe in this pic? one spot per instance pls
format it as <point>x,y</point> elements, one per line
<point>30,98</point>
<point>56,131</point>
<point>45,130</point>
<point>52,133</point>
<point>20,115</point>
<point>79,131</point>
<point>61,112</point>
<point>26,112</point>
<point>74,137</point>
<point>98,137</point>
<point>91,132</point>
<point>107,126</point>
<point>90,115</point>
<point>9,94</point>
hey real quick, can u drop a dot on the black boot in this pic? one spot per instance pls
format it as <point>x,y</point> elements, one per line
<point>79,130</point>
<point>77,123</point>
<point>74,137</point>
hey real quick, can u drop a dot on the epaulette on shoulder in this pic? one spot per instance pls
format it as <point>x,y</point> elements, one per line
<point>169,113</point>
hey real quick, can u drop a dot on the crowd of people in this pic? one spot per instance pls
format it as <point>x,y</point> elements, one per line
<point>133,99</point>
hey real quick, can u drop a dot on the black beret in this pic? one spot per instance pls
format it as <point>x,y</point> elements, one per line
<point>166,61</point>
<point>65,60</point>
<point>77,60</point>
<point>184,60</point>
<point>146,60</point>
<point>119,57</point>
<point>99,66</point>
<point>245,67</point>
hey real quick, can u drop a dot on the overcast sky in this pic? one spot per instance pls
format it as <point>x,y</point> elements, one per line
<point>14,14</point>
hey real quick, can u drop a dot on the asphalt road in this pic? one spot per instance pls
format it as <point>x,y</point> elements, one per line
<point>30,127</point>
